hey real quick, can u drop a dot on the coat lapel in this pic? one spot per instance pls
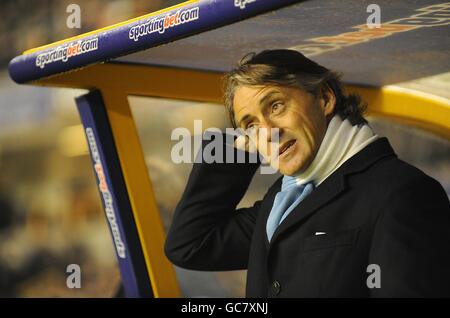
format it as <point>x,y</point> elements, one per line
<point>333,186</point>
<point>265,210</point>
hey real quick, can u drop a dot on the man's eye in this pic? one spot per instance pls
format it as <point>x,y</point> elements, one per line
<point>250,128</point>
<point>277,107</point>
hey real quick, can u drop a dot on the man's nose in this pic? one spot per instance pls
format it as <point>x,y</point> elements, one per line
<point>270,131</point>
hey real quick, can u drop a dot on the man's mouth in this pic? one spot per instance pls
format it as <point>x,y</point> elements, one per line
<point>284,148</point>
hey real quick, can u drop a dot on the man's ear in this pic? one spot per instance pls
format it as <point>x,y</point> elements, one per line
<point>327,101</point>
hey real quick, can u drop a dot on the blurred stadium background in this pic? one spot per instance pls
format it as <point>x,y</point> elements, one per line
<point>50,209</point>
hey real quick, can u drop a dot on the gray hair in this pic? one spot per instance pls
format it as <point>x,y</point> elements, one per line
<point>291,68</point>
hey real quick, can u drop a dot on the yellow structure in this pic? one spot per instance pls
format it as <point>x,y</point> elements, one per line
<point>117,81</point>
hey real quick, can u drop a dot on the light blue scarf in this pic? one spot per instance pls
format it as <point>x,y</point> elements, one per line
<point>342,140</point>
<point>286,200</point>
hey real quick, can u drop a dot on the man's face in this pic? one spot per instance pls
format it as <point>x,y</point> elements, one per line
<point>300,117</point>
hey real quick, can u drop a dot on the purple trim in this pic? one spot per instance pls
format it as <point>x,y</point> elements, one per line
<point>114,195</point>
<point>199,17</point>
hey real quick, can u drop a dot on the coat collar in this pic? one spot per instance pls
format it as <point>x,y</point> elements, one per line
<point>332,186</point>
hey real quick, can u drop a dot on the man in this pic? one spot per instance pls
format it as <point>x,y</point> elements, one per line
<point>347,219</point>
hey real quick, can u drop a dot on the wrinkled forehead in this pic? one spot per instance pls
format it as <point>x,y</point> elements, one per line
<point>248,98</point>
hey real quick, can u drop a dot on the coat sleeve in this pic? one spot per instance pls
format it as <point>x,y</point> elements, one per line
<point>207,231</point>
<point>411,242</point>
